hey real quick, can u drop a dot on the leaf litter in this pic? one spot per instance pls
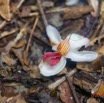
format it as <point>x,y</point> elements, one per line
<point>24,41</point>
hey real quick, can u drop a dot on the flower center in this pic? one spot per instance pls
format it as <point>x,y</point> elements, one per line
<point>63,47</point>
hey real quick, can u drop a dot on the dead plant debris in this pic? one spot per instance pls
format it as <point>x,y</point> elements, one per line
<point>24,41</point>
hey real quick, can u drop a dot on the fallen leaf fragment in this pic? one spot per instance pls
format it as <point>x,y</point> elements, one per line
<point>2,99</point>
<point>14,42</point>
<point>92,100</point>
<point>5,58</point>
<point>16,99</point>
<point>102,9</point>
<point>5,9</point>
<point>65,93</point>
<point>34,72</point>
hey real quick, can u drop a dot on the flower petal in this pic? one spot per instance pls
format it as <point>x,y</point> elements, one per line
<point>82,56</point>
<point>48,70</point>
<point>53,34</point>
<point>52,58</point>
<point>77,41</point>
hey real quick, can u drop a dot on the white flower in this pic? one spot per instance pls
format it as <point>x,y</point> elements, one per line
<point>67,48</point>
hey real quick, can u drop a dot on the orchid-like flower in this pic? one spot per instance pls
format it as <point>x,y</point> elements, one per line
<point>54,62</point>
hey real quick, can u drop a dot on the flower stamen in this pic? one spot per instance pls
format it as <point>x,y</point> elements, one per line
<point>63,47</point>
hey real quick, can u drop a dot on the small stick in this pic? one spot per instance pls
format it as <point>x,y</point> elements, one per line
<point>42,13</point>
<point>3,24</point>
<point>72,88</point>
<point>8,33</point>
<point>59,81</point>
<point>20,3</point>
<point>90,31</point>
<point>18,56</point>
<point>31,14</point>
<point>27,48</point>
<point>96,31</point>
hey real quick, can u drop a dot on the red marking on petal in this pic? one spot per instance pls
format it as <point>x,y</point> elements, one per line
<point>54,61</point>
<point>52,58</point>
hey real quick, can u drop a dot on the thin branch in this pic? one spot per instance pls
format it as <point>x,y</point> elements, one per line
<point>42,13</point>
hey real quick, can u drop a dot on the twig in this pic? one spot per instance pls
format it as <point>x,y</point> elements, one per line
<point>90,31</point>
<point>27,48</point>
<point>18,56</point>
<point>20,3</point>
<point>8,33</point>
<point>72,88</point>
<point>3,24</point>
<point>96,31</point>
<point>59,81</point>
<point>42,13</point>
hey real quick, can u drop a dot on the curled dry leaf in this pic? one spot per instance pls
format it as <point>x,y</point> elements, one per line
<point>21,44</point>
<point>65,93</point>
<point>14,42</point>
<point>5,9</point>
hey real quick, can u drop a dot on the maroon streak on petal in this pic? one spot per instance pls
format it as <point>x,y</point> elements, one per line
<point>52,57</point>
<point>54,61</point>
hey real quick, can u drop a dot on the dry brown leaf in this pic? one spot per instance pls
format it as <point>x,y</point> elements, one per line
<point>5,58</point>
<point>92,100</point>
<point>2,99</point>
<point>5,9</point>
<point>76,12</point>
<point>65,93</point>
<point>34,72</point>
<point>95,65</point>
<point>101,50</point>
<point>14,42</point>
<point>97,39</point>
<point>25,11</point>
<point>16,99</point>
<point>21,44</point>
<point>6,33</point>
<point>102,9</point>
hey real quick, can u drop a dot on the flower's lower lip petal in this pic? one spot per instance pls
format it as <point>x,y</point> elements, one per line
<point>82,56</point>
<point>77,41</point>
<point>53,34</point>
<point>48,70</point>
